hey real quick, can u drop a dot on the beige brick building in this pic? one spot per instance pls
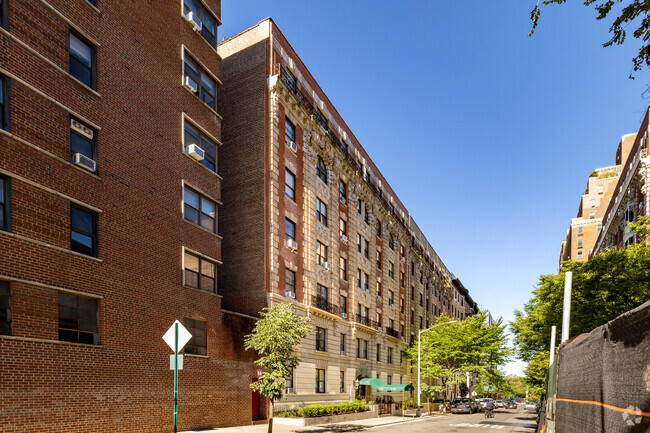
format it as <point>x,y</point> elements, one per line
<point>308,218</point>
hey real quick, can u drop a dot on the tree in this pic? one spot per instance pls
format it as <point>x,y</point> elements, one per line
<point>274,338</point>
<point>611,283</point>
<point>631,12</point>
<point>470,346</point>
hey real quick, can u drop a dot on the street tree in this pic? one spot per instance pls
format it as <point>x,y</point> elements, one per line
<point>634,14</point>
<point>274,337</point>
<point>469,346</point>
<point>611,283</point>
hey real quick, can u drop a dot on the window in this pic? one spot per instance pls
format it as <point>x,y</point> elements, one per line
<point>391,298</point>
<point>196,137</point>
<point>391,241</point>
<point>600,189</point>
<point>362,246</point>
<point>343,268</point>
<point>199,210</point>
<point>342,389</point>
<point>343,227</point>
<point>321,252</point>
<point>389,378</point>
<point>412,268</point>
<point>82,60</point>
<point>321,170</point>
<point>83,231</point>
<point>5,308</point>
<point>208,22</point>
<point>343,191</point>
<point>200,273</point>
<point>289,131</point>
<point>78,319</point>
<point>378,289</point>
<point>362,280</point>
<point>344,304</point>
<point>579,243</point>
<point>4,14</point>
<point>292,83</point>
<point>4,97</point>
<point>592,215</point>
<point>421,322</point>
<point>321,335</point>
<point>389,357</point>
<point>421,300</point>
<point>321,212</point>
<point>402,279</point>
<point>342,347</point>
<point>321,119</point>
<point>363,212</point>
<point>289,229</point>
<point>320,380</point>
<point>579,254</point>
<point>412,317</point>
<point>82,140</point>
<point>200,82</point>
<point>592,203</point>
<point>427,309</point>
<point>288,382</point>
<point>4,204</point>
<point>290,185</point>
<point>378,228</point>
<point>401,305</point>
<point>322,293</point>
<point>402,251</point>
<point>378,259</point>
<point>391,270</point>
<point>289,283</point>
<point>378,353</point>
<point>579,230</point>
<point>401,358</point>
<point>362,348</point>
<point>412,293</point>
<point>198,343</point>
<point>600,227</point>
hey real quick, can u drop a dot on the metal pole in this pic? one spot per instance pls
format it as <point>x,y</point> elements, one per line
<point>175,377</point>
<point>552,357</point>
<point>567,306</point>
<point>419,334</point>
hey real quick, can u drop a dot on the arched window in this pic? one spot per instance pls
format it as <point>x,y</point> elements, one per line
<point>321,170</point>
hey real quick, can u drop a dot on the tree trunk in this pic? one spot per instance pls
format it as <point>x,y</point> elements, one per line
<point>270,430</point>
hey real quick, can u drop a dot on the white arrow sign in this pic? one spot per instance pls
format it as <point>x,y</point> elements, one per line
<point>183,336</point>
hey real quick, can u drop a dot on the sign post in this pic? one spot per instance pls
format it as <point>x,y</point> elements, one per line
<point>176,338</point>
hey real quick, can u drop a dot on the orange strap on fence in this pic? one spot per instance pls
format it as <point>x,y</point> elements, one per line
<point>607,406</point>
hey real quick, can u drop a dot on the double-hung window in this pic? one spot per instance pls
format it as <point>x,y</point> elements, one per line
<point>321,252</point>
<point>198,344</point>
<point>290,184</point>
<point>342,386</point>
<point>200,210</point>
<point>289,131</point>
<point>289,283</point>
<point>391,270</point>
<point>193,136</point>
<point>82,60</point>
<point>83,231</point>
<point>200,273</point>
<point>342,346</point>
<point>343,268</point>
<point>4,204</point>
<point>5,308</point>
<point>343,191</point>
<point>78,319</point>
<point>83,141</point>
<point>289,229</point>
<point>378,353</point>
<point>321,336</point>
<point>200,82</point>
<point>4,100</point>
<point>321,119</point>
<point>207,20</point>
<point>343,227</point>
<point>4,14</point>
<point>321,169</point>
<point>321,212</point>
<point>320,381</point>
<point>390,356</point>
<point>379,260</point>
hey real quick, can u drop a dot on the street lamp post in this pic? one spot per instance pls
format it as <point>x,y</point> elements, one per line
<point>420,332</point>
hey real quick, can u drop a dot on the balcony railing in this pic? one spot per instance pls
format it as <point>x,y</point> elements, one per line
<point>367,321</point>
<point>323,303</point>
<point>392,332</point>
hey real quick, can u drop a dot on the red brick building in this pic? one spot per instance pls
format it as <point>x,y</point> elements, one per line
<point>109,198</point>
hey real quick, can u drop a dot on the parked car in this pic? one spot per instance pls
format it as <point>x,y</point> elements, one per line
<point>499,403</point>
<point>482,402</point>
<point>463,405</point>
<point>512,404</point>
<point>530,405</point>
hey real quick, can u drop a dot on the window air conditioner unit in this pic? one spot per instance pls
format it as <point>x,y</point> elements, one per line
<point>291,295</point>
<point>195,152</point>
<point>292,146</point>
<point>327,266</point>
<point>344,238</point>
<point>194,20</point>
<point>292,245</point>
<point>289,390</point>
<point>81,129</point>
<point>85,162</point>
<point>345,316</point>
<point>190,84</point>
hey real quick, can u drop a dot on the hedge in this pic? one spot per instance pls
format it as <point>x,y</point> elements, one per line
<point>314,410</point>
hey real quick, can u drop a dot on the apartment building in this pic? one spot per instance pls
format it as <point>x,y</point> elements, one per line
<point>586,226</point>
<point>308,218</point>
<point>109,198</point>
<point>631,195</point>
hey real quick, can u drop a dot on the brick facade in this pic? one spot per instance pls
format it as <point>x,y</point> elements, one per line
<point>137,108</point>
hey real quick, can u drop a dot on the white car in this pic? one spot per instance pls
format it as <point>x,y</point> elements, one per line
<point>499,403</point>
<point>530,405</point>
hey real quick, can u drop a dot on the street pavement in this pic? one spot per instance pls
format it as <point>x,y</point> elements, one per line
<point>505,420</point>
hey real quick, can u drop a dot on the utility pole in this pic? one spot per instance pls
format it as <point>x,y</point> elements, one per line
<point>552,355</point>
<point>566,311</point>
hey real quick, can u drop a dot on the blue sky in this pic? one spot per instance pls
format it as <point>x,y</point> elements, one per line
<point>487,135</point>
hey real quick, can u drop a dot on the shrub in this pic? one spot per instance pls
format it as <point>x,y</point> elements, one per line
<point>314,410</point>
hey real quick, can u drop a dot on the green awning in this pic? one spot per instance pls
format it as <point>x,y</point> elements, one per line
<point>379,385</point>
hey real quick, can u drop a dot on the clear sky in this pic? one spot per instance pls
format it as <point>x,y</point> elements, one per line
<point>487,135</point>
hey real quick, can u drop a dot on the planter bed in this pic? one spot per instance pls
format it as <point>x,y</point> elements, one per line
<point>328,419</point>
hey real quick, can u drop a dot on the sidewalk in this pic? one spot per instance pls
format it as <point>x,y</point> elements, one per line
<point>349,426</point>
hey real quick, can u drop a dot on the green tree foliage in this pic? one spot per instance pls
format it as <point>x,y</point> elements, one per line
<point>470,346</point>
<point>633,13</point>
<point>517,386</point>
<point>603,288</point>
<point>273,338</point>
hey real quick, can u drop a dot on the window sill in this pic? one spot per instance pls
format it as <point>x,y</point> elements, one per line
<point>204,229</point>
<point>45,340</point>
<point>201,101</point>
<point>192,355</point>
<point>203,291</point>
<point>95,92</point>
<point>317,352</point>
